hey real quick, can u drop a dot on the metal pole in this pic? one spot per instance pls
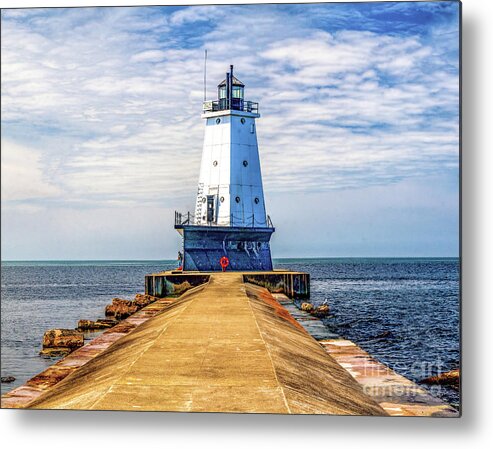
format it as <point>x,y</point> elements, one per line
<point>231,86</point>
<point>227,90</point>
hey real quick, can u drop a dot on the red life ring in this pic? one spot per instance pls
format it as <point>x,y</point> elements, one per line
<point>224,261</point>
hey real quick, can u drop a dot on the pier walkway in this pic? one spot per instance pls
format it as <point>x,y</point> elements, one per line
<point>225,346</point>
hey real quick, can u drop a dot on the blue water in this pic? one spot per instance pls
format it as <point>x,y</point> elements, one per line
<point>413,302</point>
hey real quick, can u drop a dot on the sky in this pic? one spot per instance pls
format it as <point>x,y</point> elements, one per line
<point>358,136</point>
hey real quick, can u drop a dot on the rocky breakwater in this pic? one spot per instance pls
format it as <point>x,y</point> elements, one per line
<point>60,342</point>
<point>8,379</point>
<point>57,342</point>
<point>89,325</point>
<point>120,309</point>
<point>320,311</point>
<point>123,308</point>
<point>451,378</point>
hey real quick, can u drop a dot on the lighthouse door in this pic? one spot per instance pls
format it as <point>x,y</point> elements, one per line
<point>210,208</point>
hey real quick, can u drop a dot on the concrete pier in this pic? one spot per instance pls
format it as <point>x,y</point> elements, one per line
<point>224,347</point>
<point>21,396</point>
<point>293,284</point>
<point>397,395</point>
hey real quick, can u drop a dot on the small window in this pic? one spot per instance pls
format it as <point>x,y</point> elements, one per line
<point>218,120</point>
<point>203,199</point>
<point>245,163</point>
<point>214,163</point>
<point>242,121</point>
<point>257,200</point>
<point>237,92</point>
<point>237,199</point>
<point>221,199</point>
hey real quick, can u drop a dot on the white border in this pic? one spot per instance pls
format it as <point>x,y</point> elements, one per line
<point>51,429</point>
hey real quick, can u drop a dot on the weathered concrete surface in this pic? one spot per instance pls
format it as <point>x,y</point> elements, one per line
<point>24,394</point>
<point>216,349</point>
<point>294,284</point>
<point>169,283</point>
<point>397,395</point>
<point>311,324</point>
<point>312,382</point>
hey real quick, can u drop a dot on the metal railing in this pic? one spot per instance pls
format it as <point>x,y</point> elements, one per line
<point>237,104</point>
<point>184,219</point>
<point>188,219</point>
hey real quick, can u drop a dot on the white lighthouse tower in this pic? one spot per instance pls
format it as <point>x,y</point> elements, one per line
<point>230,189</point>
<point>230,218</point>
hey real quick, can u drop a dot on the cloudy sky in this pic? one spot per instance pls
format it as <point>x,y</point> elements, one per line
<point>359,134</point>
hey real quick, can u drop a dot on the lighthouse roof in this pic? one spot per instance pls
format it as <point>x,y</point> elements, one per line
<point>236,82</point>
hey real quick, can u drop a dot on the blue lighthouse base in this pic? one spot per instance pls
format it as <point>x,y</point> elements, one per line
<point>248,249</point>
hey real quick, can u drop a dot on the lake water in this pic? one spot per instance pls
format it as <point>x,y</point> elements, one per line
<point>405,312</point>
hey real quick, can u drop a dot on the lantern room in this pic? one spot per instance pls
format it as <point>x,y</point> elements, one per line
<point>230,96</point>
<point>231,92</point>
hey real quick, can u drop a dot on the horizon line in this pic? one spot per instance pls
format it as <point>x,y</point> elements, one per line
<point>274,258</point>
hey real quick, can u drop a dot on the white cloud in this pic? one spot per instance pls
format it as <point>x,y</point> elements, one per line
<point>149,56</point>
<point>22,175</point>
<point>123,87</point>
<point>194,15</point>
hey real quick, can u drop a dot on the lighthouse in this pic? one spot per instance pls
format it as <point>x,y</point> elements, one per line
<point>229,222</point>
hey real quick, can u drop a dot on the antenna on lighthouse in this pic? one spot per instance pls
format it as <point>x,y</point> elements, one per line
<point>205,75</point>
<point>230,98</point>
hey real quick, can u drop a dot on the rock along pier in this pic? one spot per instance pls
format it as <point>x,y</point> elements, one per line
<point>226,344</point>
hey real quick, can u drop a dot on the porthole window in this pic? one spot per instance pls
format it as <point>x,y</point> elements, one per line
<point>237,199</point>
<point>204,200</point>
<point>257,200</point>
<point>221,199</point>
<point>218,120</point>
<point>242,121</point>
<point>245,163</point>
<point>214,163</point>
